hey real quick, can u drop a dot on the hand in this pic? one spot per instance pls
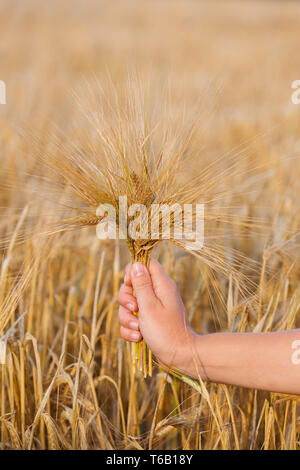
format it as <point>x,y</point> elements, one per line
<point>162,321</point>
<point>253,360</point>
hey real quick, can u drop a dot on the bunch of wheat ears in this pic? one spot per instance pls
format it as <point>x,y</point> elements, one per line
<point>133,145</point>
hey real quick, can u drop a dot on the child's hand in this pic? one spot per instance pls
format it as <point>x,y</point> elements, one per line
<point>162,320</point>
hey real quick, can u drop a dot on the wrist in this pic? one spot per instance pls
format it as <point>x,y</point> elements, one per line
<point>190,363</point>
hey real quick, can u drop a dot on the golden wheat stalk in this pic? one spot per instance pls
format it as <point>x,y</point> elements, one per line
<point>125,150</point>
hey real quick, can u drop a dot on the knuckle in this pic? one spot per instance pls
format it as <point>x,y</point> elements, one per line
<point>144,283</point>
<point>129,302</point>
<point>127,334</point>
<point>123,300</point>
<point>130,321</point>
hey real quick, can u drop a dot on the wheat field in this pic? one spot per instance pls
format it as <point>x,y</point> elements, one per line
<point>67,380</point>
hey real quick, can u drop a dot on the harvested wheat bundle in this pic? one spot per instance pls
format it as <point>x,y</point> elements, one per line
<point>133,153</point>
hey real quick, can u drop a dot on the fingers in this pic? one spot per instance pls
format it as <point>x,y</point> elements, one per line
<point>164,287</point>
<point>157,284</point>
<point>127,319</point>
<point>130,335</point>
<point>155,269</point>
<point>129,326</point>
<point>143,288</point>
<point>126,298</point>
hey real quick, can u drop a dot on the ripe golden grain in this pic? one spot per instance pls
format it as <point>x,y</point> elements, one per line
<point>74,368</point>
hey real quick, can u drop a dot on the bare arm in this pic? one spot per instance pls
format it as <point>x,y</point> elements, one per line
<point>267,361</point>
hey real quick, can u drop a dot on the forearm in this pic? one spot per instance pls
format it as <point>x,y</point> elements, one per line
<point>267,361</point>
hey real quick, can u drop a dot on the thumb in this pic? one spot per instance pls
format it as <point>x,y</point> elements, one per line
<point>142,285</point>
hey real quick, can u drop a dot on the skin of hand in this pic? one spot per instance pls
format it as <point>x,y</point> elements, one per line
<point>162,320</point>
<point>267,361</point>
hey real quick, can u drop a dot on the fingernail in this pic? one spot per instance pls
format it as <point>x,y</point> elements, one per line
<point>130,307</point>
<point>138,269</point>
<point>135,336</point>
<point>134,325</point>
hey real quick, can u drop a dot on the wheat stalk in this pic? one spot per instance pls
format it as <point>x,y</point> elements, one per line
<point>127,150</point>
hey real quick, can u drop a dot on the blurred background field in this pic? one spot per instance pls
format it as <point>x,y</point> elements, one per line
<point>67,382</point>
